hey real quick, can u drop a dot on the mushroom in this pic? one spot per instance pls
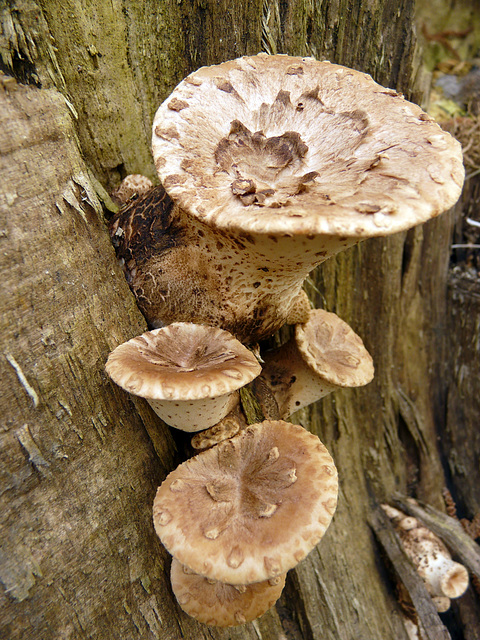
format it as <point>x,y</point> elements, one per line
<point>181,269</point>
<point>324,355</point>
<point>223,605</point>
<point>132,186</point>
<point>443,577</point>
<point>272,164</point>
<point>189,373</point>
<point>226,428</point>
<point>250,508</point>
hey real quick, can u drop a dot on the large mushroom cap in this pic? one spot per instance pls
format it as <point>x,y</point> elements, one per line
<point>182,361</point>
<point>283,145</point>
<point>333,350</point>
<point>223,605</point>
<point>250,508</point>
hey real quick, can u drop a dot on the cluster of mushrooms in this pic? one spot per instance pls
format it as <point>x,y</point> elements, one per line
<point>268,166</point>
<point>444,578</point>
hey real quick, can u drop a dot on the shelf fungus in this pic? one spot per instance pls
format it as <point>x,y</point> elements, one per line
<point>223,605</point>
<point>190,374</point>
<point>444,578</point>
<point>250,508</point>
<point>268,166</point>
<point>324,355</point>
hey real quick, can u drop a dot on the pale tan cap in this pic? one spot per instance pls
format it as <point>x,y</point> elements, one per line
<point>182,361</point>
<point>331,348</point>
<point>250,508</point>
<point>288,145</point>
<point>223,605</point>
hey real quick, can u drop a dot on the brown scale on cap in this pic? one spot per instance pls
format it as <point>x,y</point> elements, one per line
<point>250,508</point>
<point>189,373</point>
<point>223,605</point>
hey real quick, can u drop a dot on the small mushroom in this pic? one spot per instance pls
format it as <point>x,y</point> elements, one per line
<point>324,355</point>
<point>443,577</point>
<point>250,508</point>
<point>189,373</point>
<point>226,428</point>
<point>132,186</point>
<point>223,605</point>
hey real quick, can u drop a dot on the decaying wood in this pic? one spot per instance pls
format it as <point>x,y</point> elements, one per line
<point>81,460</point>
<point>425,611</point>
<point>448,529</point>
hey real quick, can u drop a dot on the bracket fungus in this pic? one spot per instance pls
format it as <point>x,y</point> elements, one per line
<point>250,508</point>
<point>444,578</point>
<point>272,164</point>
<point>324,355</point>
<point>223,605</point>
<point>189,373</point>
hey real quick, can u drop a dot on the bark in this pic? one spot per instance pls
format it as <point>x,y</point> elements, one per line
<point>81,460</point>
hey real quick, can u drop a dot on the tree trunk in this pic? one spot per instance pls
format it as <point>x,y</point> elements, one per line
<point>81,460</point>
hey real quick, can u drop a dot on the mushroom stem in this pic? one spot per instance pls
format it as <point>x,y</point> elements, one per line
<point>203,413</point>
<point>324,355</point>
<point>185,270</point>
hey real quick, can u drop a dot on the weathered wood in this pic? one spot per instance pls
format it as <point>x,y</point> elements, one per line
<point>428,617</point>
<point>461,439</point>
<point>78,465</point>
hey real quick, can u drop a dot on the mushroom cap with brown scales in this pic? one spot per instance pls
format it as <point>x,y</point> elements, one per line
<point>280,145</point>
<point>187,372</point>
<point>324,355</point>
<point>223,605</point>
<point>250,508</point>
<point>132,186</point>
<point>333,351</point>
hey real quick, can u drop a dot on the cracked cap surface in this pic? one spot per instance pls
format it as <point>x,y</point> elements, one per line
<point>285,145</point>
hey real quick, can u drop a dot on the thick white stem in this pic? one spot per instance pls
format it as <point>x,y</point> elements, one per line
<point>445,577</point>
<point>194,415</point>
<point>293,383</point>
